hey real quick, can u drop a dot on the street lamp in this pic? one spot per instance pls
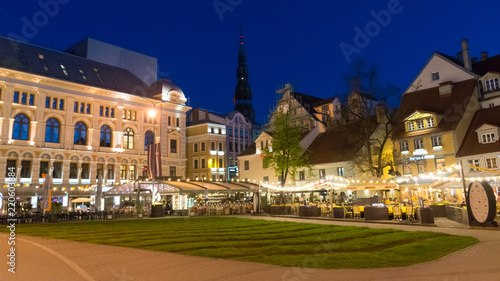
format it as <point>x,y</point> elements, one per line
<point>152,113</point>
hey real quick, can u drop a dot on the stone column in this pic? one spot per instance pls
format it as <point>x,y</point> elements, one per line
<point>35,178</point>
<point>19,167</point>
<point>79,169</point>
<point>65,170</point>
<point>93,172</point>
<point>6,113</point>
<point>3,169</point>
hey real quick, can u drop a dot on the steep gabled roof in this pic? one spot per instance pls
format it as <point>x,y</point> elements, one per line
<point>322,102</point>
<point>250,150</point>
<point>339,144</point>
<point>452,107</point>
<point>491,64</point>
<point>470,145</point>
<point>25,57</point>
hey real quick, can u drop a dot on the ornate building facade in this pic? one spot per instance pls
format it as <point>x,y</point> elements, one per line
<point>76,118</point>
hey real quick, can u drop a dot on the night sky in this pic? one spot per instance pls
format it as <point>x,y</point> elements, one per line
<point>286,41</point>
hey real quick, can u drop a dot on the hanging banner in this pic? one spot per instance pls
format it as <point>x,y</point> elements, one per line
<point>154,161</point>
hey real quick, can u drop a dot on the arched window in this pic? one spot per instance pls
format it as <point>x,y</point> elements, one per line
<point>80,133</point>
<point>105,140</point>
<point>21,127</point>
<point>52,129</point>
<point>128,139</point>
<point>149,138</point>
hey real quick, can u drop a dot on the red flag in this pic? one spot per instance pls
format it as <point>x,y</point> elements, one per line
<point>154,160</point>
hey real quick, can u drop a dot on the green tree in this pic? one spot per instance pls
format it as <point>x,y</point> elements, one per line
<point>285,155</point>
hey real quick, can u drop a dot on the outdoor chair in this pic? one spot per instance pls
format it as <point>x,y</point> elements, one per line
<point>409,213</point>
<point>356,211</point>
<point>396,211</point>
<point>346,212</point>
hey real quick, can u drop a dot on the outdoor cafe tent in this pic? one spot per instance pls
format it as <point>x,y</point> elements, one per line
<point>81,200</point>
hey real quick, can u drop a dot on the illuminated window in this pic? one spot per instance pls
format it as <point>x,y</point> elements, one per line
<point>340,171</point>
<point>63,68</point>
<point>84,77</point>
<point>128,139</point>
<point>123,172</point>
<point>440,163</point>
<point>491,163</point>
<point>422,166</point>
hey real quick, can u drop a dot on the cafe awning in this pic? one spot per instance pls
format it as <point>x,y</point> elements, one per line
<point>372,186</point>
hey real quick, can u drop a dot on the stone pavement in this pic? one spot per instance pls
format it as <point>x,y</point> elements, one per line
<point>52,260</point>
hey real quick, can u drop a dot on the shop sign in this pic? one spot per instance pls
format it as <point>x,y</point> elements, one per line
<point>416,158</point>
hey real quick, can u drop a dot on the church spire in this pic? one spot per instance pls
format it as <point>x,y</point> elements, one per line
<point>243,92</point>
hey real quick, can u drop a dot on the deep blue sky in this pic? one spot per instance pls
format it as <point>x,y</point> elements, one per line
<point>286,41</point>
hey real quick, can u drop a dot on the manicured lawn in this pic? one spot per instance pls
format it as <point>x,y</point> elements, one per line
<point>279,243</point>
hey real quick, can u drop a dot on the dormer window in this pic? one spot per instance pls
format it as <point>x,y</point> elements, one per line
<point>491,84</point>
<point>411,126</point>
<point>430,122</point>
<point>420,124</point>
<point>435,76</point>
<point>488,138</point>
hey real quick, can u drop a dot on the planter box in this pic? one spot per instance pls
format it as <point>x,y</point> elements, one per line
<point>157,211</point>
<point>425,215</point>
<point>439,210</point>
<point>338,213</point>
<point>278,210</point>
<point>376,213</point>
<point>308,211</point>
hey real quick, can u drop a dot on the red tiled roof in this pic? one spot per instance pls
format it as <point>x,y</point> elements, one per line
<point>471,145</point>
<point>451,107</point>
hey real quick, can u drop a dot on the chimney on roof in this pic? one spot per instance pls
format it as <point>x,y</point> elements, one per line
<point>466,55</point>
<point>195,116</point>
<point>484,56</point>
<point>381,114</point>
<point>474,60</point>
<point>460,57</point>
<point>445,89</point>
